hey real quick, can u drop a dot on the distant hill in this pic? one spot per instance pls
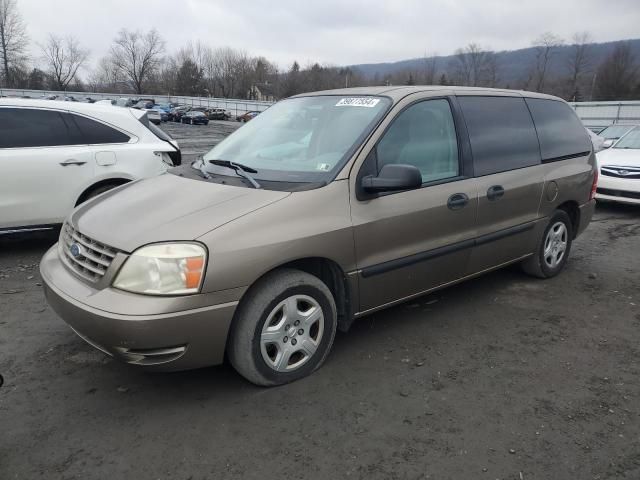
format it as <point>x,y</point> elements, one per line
<point>513,65</point>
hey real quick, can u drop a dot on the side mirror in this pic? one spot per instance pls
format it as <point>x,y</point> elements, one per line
<point>393,177</point>
<point>607,143</point>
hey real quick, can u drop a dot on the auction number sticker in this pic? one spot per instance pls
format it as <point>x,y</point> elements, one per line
<point>358,102</point>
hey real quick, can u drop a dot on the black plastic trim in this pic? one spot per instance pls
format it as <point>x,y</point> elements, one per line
<point>565,157</point>
<point>500,234</point>
<point>446,250</point>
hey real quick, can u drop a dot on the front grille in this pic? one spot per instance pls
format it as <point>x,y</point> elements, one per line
<point>92,258</point>
<point>621,172</point>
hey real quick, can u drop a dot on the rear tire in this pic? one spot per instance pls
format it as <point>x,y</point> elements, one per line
<point>553,248</point>
<point>283,329</point>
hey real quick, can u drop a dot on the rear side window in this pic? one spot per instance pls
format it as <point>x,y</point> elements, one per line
<point>93,132</point>
<point>24,127</point>
<point>501,133</point>
<point>561,133</point>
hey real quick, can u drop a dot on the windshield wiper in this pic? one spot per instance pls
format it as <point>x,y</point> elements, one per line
<point>203,172</point>
<point>241,170</point>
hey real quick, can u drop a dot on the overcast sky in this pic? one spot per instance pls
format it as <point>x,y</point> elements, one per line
<point>337,32</point>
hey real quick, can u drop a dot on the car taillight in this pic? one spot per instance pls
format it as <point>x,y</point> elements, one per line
<point>594,185</point>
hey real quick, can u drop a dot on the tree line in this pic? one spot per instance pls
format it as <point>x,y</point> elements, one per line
<point>138,63</point>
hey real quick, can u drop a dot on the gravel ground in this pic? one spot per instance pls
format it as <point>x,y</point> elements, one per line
<point>502,377</point>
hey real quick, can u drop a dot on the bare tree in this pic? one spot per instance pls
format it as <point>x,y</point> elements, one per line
<point>546,46</point>
<point>138,56</point>
<point>64,57</point>
<point>13,39</point>
<point>475,66</point>
<point>579,62</point>
<point>618,74</point>
<point>106,77</point>
<point>429,69</point>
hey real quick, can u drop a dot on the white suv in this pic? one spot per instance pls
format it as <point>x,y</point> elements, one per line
<point>55,155</point>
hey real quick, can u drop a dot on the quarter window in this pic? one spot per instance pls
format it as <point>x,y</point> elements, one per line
<point>423,135</point>
<point>24,127</point>
<point>560,131</point>
<point>93,132</point>
<point>501,133</point>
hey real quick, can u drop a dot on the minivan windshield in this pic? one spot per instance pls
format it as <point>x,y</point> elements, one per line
<point>304,139</point>
<point>630,140</point>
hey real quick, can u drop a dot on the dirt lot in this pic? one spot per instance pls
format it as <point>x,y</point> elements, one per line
<point>501,377</point>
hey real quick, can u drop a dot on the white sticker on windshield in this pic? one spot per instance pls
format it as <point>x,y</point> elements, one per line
<point>358,102</point>
<point>325,167</point>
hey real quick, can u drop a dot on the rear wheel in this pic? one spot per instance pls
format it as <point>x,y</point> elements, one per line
<point>554,247</point>
<point>283,329</point>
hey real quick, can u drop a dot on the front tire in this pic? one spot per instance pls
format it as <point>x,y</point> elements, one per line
<point>553,249</point>
<point>283,329</point>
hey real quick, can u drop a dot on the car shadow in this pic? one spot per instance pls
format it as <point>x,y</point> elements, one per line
<point>28,243</point>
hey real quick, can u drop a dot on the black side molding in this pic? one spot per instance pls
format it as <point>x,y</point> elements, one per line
<point>565,157</point>
<point>446,250</point>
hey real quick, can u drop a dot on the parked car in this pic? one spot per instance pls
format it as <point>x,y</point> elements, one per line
<point>620,170</point>
<point>164,116</point>
<point>106,102</point>
<point>194,117</point>
<point>177,113</point>
<point>143,104</point>
<point>245,117</point>
<point>125,102</point>
<point>325,208</point>
<point>165,107</point>
<point>613,133</point>
<point>218,114</point>
<point>153,115</point>
<point>56,155</point>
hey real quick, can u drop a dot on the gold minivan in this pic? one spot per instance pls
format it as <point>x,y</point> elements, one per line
<point>326,207</point>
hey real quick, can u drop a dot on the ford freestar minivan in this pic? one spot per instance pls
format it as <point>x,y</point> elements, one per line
<point>326,207</point>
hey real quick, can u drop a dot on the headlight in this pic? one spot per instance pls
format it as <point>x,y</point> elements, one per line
<point>164,269</point>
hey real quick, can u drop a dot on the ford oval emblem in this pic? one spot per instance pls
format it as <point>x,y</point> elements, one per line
<point>75,250</point>
<point>624,173</point>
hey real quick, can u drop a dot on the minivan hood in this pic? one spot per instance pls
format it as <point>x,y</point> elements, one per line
<point>165,208</point>
<point>623,157</point>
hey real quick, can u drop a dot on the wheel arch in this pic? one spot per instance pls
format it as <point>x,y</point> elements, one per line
<point>115,182</point>
<point>572,209</point>
<point>332,275</point>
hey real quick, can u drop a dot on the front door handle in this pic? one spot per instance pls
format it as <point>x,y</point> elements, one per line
<point>72,161</point>
<point>495,192</point>
<point>457,201</point>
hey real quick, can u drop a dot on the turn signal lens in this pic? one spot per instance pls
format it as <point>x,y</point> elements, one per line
<point>164,269</point>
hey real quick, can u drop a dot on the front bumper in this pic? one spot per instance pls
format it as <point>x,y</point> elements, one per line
<point>615,189</point>
<point>170,340</point>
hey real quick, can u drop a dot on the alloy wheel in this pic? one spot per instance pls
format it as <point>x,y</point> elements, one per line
<point>555,244</point>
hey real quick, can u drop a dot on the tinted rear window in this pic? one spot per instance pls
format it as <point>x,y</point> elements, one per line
<point>501,132</point>
<point>560,131</point>
<point>22,127</point>
<point>93,132</point>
